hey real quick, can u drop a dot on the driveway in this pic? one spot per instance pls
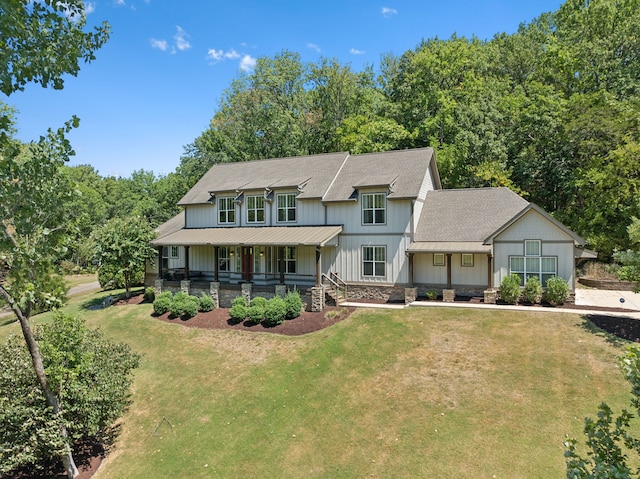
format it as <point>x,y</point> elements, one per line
<point>609,299</point>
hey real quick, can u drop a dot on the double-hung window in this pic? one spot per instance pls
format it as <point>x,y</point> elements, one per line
<point>533,264</point>
<point>224,263</point>
<point>174,252</point>
<point>374,208</point>
<point>288,259</point>
<point>374,260</point>
<point>286,207</point>
<point>255,209</point>
<point>226,211</point>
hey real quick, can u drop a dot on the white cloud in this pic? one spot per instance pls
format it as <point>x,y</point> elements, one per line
<point>355,51</point>
<point>313,46</point>
<point>181,39</point>
<point>159,44</point>
<point>215,55</point>
<point>387,12</point>
<point>89,7</point>
<point>232,54</point>
<point>119,2</point>
<point>247,63</point>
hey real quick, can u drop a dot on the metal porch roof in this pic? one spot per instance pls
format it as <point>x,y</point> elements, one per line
<point>263,236</point>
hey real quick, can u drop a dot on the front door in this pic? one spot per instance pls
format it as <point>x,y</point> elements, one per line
<point>247,263</point>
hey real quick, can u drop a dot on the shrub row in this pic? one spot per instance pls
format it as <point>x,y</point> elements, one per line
<point>181,304</point>
<point>268,312</point>
<point>556,292</point>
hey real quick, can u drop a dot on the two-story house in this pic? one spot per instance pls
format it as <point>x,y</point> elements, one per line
<point>378,222</point>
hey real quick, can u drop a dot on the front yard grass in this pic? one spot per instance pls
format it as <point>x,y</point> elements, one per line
<point>387,394</point>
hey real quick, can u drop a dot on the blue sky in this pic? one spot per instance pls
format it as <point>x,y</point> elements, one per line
<point>156,84</point>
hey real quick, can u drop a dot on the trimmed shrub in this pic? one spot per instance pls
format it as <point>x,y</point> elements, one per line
<point>293,302</point>
<point>178,304</point>
<point>190,307</point>
<point>206,303</point>
<point>275,312</point>
<point>238,309</point>
<point>532,292</point>
<point>510,289</point>
<point>149,294</point>
<point>557,291</point>
<point>162,303</point>
<point>255,313</point>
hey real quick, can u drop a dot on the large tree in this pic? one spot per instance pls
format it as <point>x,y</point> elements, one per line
<point>39,42</point>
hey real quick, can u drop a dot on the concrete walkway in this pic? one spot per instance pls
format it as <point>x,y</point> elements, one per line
<point>584,297</point>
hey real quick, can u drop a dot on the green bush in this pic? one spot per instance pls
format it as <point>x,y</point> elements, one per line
<point>162,303</point>
<point>206,303</point>
<point>109,278</point>
<point>275,312</point>
<point>238,309</point>
<point>293,302</point>
<point>190,307</point>
<point>510,289</point>
<point>532,292</point>
<point>557,291</point>
<point>255,313</point>
<point>178,304</point>
<point>149,294</point>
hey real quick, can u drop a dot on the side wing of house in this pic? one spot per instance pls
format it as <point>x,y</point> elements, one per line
<point>535,244</point>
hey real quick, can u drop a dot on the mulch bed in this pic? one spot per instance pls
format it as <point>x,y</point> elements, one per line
<point>219,318</point>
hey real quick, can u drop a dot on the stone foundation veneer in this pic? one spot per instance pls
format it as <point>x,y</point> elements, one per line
<point>410,295</point>
<point>214,292</point>
<point>157,286</point>
<point>490,296</point>
<point>448,295</point>
<point>281,290</point>
<point>185,286</point>
<point>317,298</point>
<point>384,293</point>
<point>246,292</point>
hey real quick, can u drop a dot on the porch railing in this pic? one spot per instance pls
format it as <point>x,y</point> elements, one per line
<point>338,286</point>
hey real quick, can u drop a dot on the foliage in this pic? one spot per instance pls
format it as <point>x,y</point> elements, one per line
<point>124,247</point>
<point>293,303</point>
<point>184,305</point>
<point>255,313</point>
<point>110,278</point>
<point>162,303</point>
<point>432,294</point>
<point>238,310</point>
<point>630,259</point>
<point>510,289</point>
<point>206,303</point>
<point>275,312</point>
<point>89,373</point>
<point>609,438</point>
<point>557,291</point>
<point>149,294</point>
<point>532,291</point>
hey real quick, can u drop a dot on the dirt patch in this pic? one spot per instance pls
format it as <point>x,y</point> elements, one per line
<point>618,326</point>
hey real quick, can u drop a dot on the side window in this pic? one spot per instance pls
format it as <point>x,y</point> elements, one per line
<point>223,259</point>
<point>374,261</point>
<point>175,252</point>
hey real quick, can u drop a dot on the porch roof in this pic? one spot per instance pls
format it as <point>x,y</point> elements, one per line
<point>449,247</point>
<point>261,236</point>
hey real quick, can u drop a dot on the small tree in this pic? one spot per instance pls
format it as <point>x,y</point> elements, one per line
<point>609,438</point>
<point>90,375</point>
<point>124,246</point>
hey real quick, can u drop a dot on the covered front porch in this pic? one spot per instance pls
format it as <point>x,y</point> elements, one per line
<point>267,258</point>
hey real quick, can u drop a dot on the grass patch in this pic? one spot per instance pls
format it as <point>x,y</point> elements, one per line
<point>412,393</point>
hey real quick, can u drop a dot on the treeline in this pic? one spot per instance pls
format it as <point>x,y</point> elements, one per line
<point>551,111</point>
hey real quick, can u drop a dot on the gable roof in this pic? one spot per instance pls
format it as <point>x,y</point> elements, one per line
<point>466,215</point>
<point>313,174</point>
<point>401,171</point>
<point>331,176</point>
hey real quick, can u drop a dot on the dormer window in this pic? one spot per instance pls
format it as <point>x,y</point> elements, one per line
<point>226,211</point>
<point>374,208</point>
<point>255,209</point>
<point>286,207</point>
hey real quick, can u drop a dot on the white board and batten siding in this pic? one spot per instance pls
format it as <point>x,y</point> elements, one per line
<point>471,276</point>
<point>348,258</point>
<point>200,216</point>
<point>534,226</point>
<point>349,215</point>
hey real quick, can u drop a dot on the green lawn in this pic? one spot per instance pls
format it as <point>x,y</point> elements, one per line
<point>446,393</point>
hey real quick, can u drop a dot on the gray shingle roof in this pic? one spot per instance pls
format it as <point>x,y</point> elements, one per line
<point>314,172</point>
<point>471,214</point>
<point>403,170</point>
